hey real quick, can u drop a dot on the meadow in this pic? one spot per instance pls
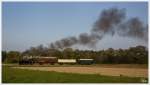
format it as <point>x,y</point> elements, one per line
<point>15,75</point>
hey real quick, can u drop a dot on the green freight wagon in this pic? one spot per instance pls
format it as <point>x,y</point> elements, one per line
<point>85,61</point>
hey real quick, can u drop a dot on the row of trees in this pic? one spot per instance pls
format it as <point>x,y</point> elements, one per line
<point>10,57</point>
<point>138,54</point>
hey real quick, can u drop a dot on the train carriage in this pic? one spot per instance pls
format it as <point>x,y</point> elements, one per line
<point>85,61</point>
<point>67,61</point>
<point>46,60</point>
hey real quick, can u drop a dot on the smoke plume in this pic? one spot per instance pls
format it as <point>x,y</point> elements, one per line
<point>111,21</point>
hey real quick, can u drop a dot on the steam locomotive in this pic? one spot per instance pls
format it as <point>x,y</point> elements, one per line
<point>53,60</point>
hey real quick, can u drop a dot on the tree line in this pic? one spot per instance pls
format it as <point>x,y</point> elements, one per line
<point>132,55</point>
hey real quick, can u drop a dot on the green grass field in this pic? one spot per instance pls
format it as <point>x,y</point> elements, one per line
<point>13,75</point>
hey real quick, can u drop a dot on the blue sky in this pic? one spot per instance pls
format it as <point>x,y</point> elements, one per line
<point>26,24</point>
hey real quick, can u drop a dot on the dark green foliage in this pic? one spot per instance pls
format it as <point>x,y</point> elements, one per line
<point>12,56</point>
<point>133,55</point>
<point>12,75</point>
<point>4,56</point>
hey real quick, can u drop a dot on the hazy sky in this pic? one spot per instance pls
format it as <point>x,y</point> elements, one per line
<point>31,24</point>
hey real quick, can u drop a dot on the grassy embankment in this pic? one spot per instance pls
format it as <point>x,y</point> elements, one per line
<point>13,75</point>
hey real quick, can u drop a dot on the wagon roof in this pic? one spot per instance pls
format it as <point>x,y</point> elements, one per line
<point>86,59</point>
<point>66,59</point>
<point>30,57</point>
<point>47,57</point>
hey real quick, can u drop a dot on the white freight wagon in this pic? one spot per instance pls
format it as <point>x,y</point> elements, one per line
<point>67,61</point>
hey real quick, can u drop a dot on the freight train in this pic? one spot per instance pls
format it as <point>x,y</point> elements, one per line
<point>53,60</point>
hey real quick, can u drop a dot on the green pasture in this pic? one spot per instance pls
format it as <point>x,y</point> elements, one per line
<point>14,75</point>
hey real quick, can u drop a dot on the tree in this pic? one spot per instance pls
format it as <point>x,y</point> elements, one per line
<point>13,56</point>
<point>68,53</point>
<point>4,56</point>
<point>136,55</point>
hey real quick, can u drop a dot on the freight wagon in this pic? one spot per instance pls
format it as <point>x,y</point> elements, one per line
<point>67,61</point>
<point>85,61</point>
<point>46,60</point>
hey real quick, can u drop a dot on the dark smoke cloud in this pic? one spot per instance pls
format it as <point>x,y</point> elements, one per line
<point>134,28</point>
<point>66,42</point>
<point>111,21</point>
<point>108,19</point>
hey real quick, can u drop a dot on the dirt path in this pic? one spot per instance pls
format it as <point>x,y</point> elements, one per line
<point>132,72</point>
